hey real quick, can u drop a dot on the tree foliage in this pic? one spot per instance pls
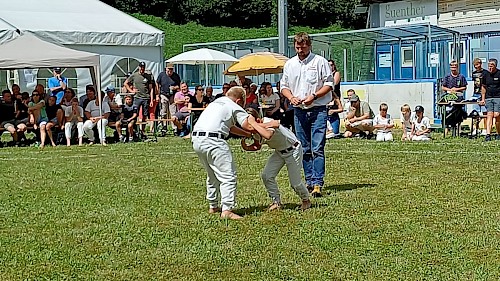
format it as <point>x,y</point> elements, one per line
<point>246,13</point>
<point>177,35</point>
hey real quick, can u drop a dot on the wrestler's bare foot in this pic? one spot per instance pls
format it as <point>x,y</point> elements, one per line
<point>230,215</point>
<point>274,206</point>
<point>306,204</point>
<point>213,210</point>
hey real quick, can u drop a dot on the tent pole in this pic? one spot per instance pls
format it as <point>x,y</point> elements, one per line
<point>206,75</point>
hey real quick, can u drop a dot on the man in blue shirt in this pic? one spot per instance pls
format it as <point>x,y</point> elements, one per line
<point>58,84</point>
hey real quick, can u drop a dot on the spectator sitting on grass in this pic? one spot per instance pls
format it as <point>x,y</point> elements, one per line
<point>128,117</point>
<point>383,123</point>
<point>38,116</point>
<point>359,119</point>
<point>74,116</point>
<point>406,118</point>
<point>94,117</point>
<point>55,115</point>
<point>421,126</point>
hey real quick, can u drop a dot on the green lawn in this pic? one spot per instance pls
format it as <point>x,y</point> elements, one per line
<point>392,211</point>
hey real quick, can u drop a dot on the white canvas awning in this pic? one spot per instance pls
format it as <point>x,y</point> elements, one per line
<point>28,51</point>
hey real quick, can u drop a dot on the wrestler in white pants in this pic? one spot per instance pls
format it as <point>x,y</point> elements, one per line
<point>215,155</point>
<point>101,129</point>
<point>69,125</point>
<point>293,161</point>
<point>384,136</point>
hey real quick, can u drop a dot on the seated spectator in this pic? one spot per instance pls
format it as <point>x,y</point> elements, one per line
<point>55,115</point>
<point>232,84</point>
<point>74,116</point>
<point>225,88</point>
<point>271,102</point>
<point>406,118</point>
<point>69,94</point>
<point>114,101</point>
<point>89,96</point>
<point>333,123</point>
<point>383,123</point>
<point>197,101</point>
<point>8,112</point>
<point>359,120</point>
<point>128,117</point>
<point>38,115</point>
<point>22,108</point>
<point>242,80</point>
<point>93,113</point>
<point>209,91</point>
<point>251,98</point>
<point>421,128</point>
<point>39,88</point>
<point>181,100</point>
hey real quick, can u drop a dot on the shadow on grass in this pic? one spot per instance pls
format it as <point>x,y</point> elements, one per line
<point>348,186</point>
<point>263,208</point>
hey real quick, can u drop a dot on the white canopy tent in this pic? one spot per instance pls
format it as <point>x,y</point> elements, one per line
<point>121,40</point>
<point>27,51</point>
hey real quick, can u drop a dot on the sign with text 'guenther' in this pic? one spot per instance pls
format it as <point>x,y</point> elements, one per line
<point>401,10</point>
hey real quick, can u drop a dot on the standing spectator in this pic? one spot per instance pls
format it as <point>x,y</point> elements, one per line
<point>74,116</point>
<point>336,78</point>
<point>167,83</point>
<point>142,90</point>
<point>454,82</point>
<point>128,118</point>
<point>383,123</point>
<point>130,84</point>
<point>57,84</point>
<point>307,82</point>
<point>477,77</point>
<point>89,96</point>
<point>421,128</point>
<point>94,117</point>
<point>490,96</point>
<point>114,101</point>
<point>359,119</point>
<point>242,80</point>
<point>55,115</point>
<point>271,101</point>
<point>38,115</point>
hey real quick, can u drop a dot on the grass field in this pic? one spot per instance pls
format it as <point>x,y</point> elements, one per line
<point>392,211</point>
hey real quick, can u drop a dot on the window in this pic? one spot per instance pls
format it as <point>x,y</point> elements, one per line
<point>461,51</point>
<point>120,70</point>
<point>407,56</point>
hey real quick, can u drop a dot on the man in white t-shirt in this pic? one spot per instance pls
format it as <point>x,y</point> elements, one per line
<point>96,116</point>
<point>421,128</point>
<point>287,151</point>
<point>209,142</point>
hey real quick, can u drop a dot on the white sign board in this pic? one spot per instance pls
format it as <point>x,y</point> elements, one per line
<point>384,60</point>
<point>397,13</point>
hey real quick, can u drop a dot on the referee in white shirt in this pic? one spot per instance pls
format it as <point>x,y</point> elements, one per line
<point>308,83</point>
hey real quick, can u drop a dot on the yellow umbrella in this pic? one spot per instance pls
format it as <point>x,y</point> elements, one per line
<point>258,63</point>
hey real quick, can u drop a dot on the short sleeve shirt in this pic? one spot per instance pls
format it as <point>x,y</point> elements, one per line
<point>94,109</point>
<point>129,110</point>
<point>450,81</point>
<point>423,125</point>
<point>219,116</point>
<point>180,95</point>
<point>59,93</point>
<point>304,78</point>
<point>364,108</point>
<point>166,81</point>
<point>141,82</point>
<point>491,82</point>
<point>43,114</point>
<point>68,112</point>
<point>477,78</point>
<point>52,111</point>
<point>270,101</point>
<point>282,138</point>
<point>379,120</point>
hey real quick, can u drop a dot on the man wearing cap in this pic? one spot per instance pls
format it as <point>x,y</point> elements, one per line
<point>114,101</point>
<point>142,89</point>
<point>57,84</point>
<point>307,82</point>
<point>167,84</point>
<point>359,119</point>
